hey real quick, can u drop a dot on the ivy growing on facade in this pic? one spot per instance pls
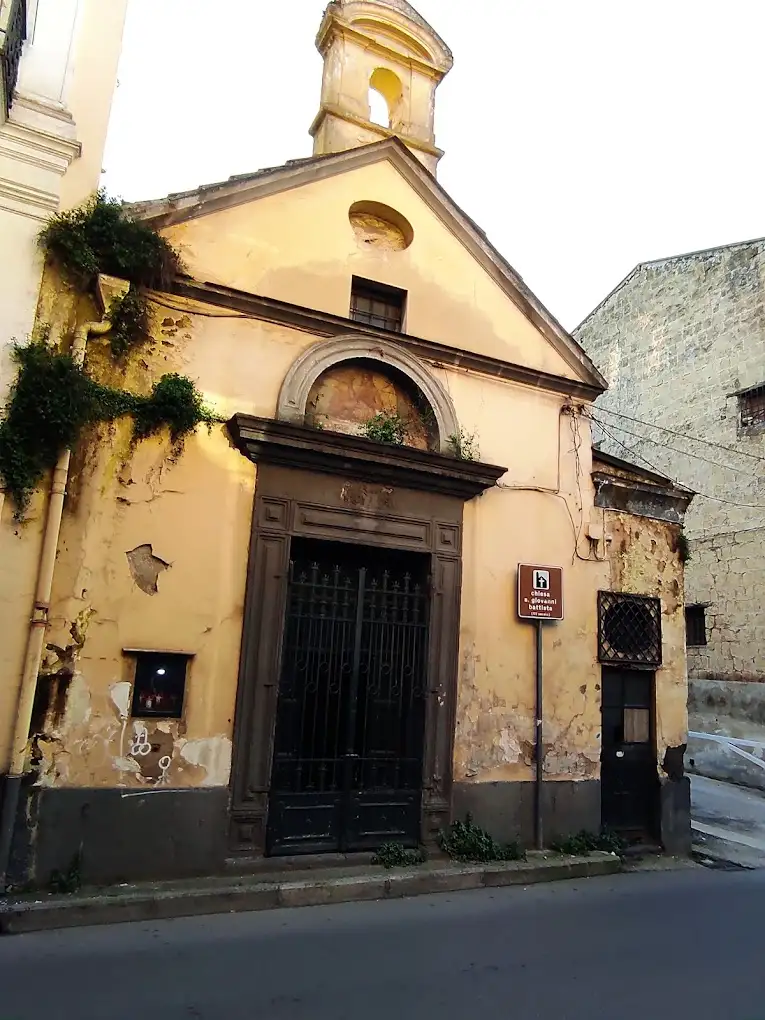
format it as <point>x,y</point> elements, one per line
<point>101,236</point>
<point>53,399</point>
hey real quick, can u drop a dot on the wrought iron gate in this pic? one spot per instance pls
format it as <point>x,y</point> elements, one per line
<point>348,746</point>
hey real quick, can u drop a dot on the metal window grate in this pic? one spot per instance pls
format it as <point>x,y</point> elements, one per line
<point>629,629</point>
<point>377,305</point>
<point>10,53</point>
<point>752,408</point>
<point>695,625</point>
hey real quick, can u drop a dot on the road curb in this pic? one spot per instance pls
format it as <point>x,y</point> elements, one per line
<point>156,903</point>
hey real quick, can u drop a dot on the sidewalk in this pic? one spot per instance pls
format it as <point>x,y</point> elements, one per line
<point>221,895</point>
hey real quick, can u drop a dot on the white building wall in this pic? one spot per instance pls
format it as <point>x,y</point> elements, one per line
<point>52,142</point>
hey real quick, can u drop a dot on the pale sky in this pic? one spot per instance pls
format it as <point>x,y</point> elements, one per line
<point>583,137</point>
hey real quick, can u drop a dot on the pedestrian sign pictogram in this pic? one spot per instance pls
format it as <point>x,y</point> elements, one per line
<point>540,592</point>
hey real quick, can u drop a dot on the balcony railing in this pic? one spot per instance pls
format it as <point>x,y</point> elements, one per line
<point>11,43</point>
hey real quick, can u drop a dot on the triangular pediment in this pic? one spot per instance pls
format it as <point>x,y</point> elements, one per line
<point>273,233</point>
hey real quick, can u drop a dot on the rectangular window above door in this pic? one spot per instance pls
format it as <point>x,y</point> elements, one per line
<point>377,305</point>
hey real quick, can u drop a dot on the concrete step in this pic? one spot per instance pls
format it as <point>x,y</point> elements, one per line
<point>227,894</point>
<point>305,862</point>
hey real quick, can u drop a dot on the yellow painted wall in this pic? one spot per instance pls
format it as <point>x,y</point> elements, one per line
<point>643,560</point>
<point>196,516</point>
<point>353,61</point>
<point>299,246</point>
<point>19,555</point>
<point>20,543</point>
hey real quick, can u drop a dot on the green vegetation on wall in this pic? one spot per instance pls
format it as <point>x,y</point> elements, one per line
<point>386,427</point>
<point>468,842</point>
<point>101,236</point>
<point>52,401</point>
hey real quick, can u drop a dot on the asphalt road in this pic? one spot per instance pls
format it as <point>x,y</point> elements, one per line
<point>679,944</point>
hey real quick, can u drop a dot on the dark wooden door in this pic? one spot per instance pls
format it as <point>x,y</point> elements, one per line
<point>629,779</point>
<point>348,748</point>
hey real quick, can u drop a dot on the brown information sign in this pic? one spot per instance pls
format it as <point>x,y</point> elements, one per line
<point>540,592</point>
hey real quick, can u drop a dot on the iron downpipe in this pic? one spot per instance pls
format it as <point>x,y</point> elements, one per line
<point>39,621</point>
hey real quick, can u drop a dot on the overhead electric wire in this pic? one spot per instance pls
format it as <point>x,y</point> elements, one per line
<point>704,495</point>
<point>680,435</point>
<point>674,449</point>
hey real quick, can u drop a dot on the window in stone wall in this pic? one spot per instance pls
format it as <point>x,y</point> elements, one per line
<point>695,625</point>
<point>751,404</point>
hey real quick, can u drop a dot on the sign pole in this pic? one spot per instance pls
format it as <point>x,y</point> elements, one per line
<point>540,598</point>
<point>539,746</point>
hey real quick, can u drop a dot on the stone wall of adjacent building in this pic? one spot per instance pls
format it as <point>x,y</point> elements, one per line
<point>677,341</point>
<point>727,575</point>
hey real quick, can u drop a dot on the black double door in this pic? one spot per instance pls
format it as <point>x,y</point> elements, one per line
<point>629,779</point>
<point>350,724</point>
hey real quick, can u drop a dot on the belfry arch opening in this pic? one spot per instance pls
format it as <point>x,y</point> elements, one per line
<point>385,95</point>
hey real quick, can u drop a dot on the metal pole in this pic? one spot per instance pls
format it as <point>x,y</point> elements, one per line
<point>539,746</point>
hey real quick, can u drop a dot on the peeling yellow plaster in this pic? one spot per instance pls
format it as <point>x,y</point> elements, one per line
<point>644,560</point>
<point>213,755</point>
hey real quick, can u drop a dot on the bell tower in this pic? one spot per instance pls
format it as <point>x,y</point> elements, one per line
<point>382,66</point>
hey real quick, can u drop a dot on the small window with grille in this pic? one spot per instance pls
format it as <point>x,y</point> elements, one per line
<point>629,629</point>
<point>695,625</point>
<point>377,305</point>
<point>751,405</point>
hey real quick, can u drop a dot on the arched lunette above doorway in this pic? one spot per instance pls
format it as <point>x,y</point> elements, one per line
<point>299,381</point>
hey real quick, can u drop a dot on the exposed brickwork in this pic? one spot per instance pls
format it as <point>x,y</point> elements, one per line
<point>676,341</point>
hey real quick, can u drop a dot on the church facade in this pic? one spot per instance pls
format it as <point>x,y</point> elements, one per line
<point>302,636</point>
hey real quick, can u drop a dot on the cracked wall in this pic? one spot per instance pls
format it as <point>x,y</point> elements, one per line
<point>519,522</point>
<point>194,516</point>
<point>495,721</point>
<point>141,564</point>
<point>182,590</point>
<point>644,560</point>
